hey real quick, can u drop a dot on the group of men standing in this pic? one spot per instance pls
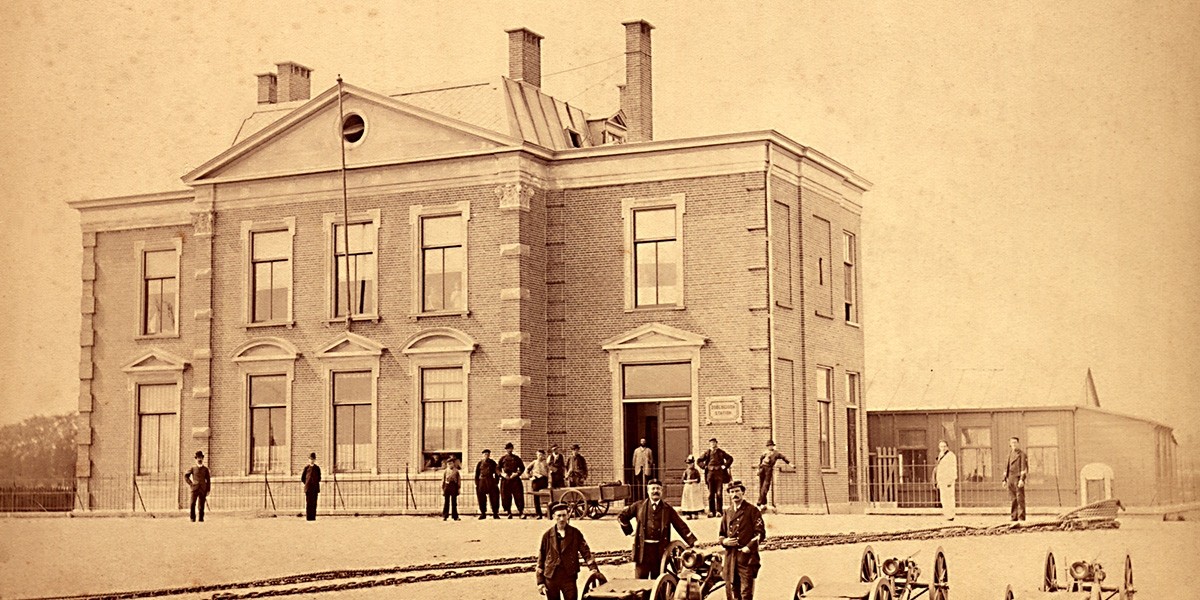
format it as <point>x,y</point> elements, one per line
<point>1016,468</point>
<point>499,482</point>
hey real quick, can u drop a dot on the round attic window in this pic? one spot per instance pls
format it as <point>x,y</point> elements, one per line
<point>353,128</point>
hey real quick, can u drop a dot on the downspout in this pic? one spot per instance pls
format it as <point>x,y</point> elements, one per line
<point>770,300</point>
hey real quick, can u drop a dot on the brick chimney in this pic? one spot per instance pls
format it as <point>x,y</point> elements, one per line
<point>637,95</point>
<point>294,81</point>
<point>266,88</point>
<point>525,56</point>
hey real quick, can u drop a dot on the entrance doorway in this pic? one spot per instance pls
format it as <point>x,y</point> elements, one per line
<point>667,429</point>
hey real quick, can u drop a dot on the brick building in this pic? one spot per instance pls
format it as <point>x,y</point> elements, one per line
<point>517,270</point>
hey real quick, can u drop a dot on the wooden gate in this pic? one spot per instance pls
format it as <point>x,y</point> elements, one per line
<point>884,472</point>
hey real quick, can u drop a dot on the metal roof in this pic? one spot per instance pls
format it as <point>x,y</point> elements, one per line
<point>959,388</point>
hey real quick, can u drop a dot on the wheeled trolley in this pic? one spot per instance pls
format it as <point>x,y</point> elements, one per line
<point>894,579</point>
<point>1084,580</point>
<point>591,501</point>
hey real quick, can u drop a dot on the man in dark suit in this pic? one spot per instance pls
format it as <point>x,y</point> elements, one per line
<point>654,521</point>
<point>198,479</point>
<point>716,463</point>
<point>487,485</point>
<point>1014,478</point>
<point>511,489</point>
<point>742,528</point>
<point>558,466</point>
<point>558,557</point>
<point>311,478</point>
<point>577,470</point>
<point>766,472</point>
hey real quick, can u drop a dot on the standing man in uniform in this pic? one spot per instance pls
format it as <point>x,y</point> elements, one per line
<point>198,479</point>
<point>741,530</point>
<point>654,521</point>
<point>558,557</point>
<point>311,478</point>
<point>716,463</point>
<point>1014,477</point>
<point>511,489</point>
<point>487,485</point>
<point>643,461</point>
<point>766,472</point>
<point>576,468</point>
<point>558,466</point>
<point>945,477</point>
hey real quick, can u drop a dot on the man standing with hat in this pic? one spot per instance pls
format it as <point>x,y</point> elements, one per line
<point>558,557</point>
<point>511,489</point>
<point>311,478</point>
<point>198,478</point>
<point>557,467</point>
<point>716,463</point>
<point>766,471</point>
<point>1014,478</point>
<point>487,478</point>
<point>742,528</point>
<point>576,468</point>
<point>654,521</point>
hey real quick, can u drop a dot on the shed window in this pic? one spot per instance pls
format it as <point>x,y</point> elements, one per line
<point>1042,450</point>
<point>975,461</point>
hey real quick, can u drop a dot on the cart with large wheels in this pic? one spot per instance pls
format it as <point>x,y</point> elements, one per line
<point>591,501</point>
<point>662,588</point>
<point>1084,580</point>
<point>697,570</point>
<point>894,579</point>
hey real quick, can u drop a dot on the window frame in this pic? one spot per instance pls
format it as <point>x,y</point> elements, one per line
<point>422,413</point>
<point>850,278</point>
<point>349,352</point>
<point>1042,478</point>
<point>249,228</point>
<point>140,430</point>
<point>330,221</point>
<point>782,262</point>
<point>825,413</point>
<point>258,357</point>
<point>437,348</point>
<point>372,462</point>
<point>141,248</point>
<point>153,368</point>
<point>989,461</point>
<point>416,216</point>
<point>628,207</point>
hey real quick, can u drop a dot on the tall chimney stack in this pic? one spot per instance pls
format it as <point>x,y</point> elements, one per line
<point>525,56</point>
<point>637,96</point>
<point>267,86</point>
<point>294,81</point>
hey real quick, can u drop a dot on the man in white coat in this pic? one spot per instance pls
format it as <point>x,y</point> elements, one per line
<point>945,475</point>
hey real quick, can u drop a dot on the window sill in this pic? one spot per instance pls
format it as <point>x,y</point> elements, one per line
<point>854,324</point>
<point>440,313</point>
<point>824,315</point>
<point>637,309</point>
<point>288,324</point>
<point>828,471</point>
<point>157,336</point>
<point>783,305</point>
<point>356,319</point>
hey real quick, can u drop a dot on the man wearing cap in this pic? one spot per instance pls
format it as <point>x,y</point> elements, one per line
<point>511,489</point>
<point>653,534</point>
<point>766,471</point>
<point>716,463</point>
<point>558,466</point>
<point>311,478</point>
<point>198,479</point>
<point>742,528</point>
<point>576,468</point>
<point>487,478</point>
<point>558,557</point>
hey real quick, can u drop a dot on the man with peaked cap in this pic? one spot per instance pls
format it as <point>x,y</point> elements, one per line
<point>742,528</point>
<point>558,557</point>
<point>558,467</point>
<point>766,471</point>
<point>655,518</point>
<point>487,485</point>
<point>577,469</point>
<point>716,463</point>
<point>511,489</point>
<point>199,480</point>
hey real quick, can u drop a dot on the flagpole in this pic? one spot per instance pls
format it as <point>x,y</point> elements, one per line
<point>345,212</point>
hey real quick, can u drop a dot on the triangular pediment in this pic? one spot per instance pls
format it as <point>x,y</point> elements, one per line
<point>654,335</point>
<point>266,349</point>
<point>351,344</point>
<point>155,360</point>
<point>308,139</point>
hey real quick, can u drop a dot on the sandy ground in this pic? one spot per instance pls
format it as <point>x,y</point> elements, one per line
<point>53,556</point>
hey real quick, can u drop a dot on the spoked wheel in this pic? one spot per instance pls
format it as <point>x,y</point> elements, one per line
<point>672,558</point>
<point>594,581</point>
<point>940,586</point>
<point>576,503</point>
<point>1127,589</point>
<point>803,587</point>
<point>664,587</point>
<point>1008,593</point>
<point>1050,574</point>
<point>595,510</point>
<point>868,568</point>
<point>882,590</point>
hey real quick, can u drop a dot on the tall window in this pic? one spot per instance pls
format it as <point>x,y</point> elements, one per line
<point>781,235</point>
<point>656,256</point>
<point>160,291</point>
<point>268,423</point>
<point>849,257</point>
<point>852,433</point>
<point>825,415</point>
<point>442,415</point>
<point>158,429</point>
<point>353,448</point>
<point>822,250</point>
<point>914,452</point>
<point>975,460</point>
<point>354,266</point>
<point>1042,451</point>
<point>271,271</point>
<point>443,263</point>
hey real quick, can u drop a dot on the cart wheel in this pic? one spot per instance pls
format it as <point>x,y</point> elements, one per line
<point>671,558</point>
<point>882,590</point>
<point>1127,589</point>
<point>1008,593</point>
<point>576,503</point>
<point>595,510</point>
<point>594,581</point>
<point>803,587</point>
<point>940,586</point>
<point>664,587</point>
<point>1050,574</point>
<point>868,568</point>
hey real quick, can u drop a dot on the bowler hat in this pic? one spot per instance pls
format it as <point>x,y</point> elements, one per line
<point>574,446</point>
<point>736,483</point>
<point>199,454</point>
<point>770,442</point>
<point>312,455</point>
<point>508,446</point>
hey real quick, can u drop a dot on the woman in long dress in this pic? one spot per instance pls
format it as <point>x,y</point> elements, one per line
<point>692,502</point>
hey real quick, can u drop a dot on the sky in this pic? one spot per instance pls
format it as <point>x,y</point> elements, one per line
<point>1036,205</point>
